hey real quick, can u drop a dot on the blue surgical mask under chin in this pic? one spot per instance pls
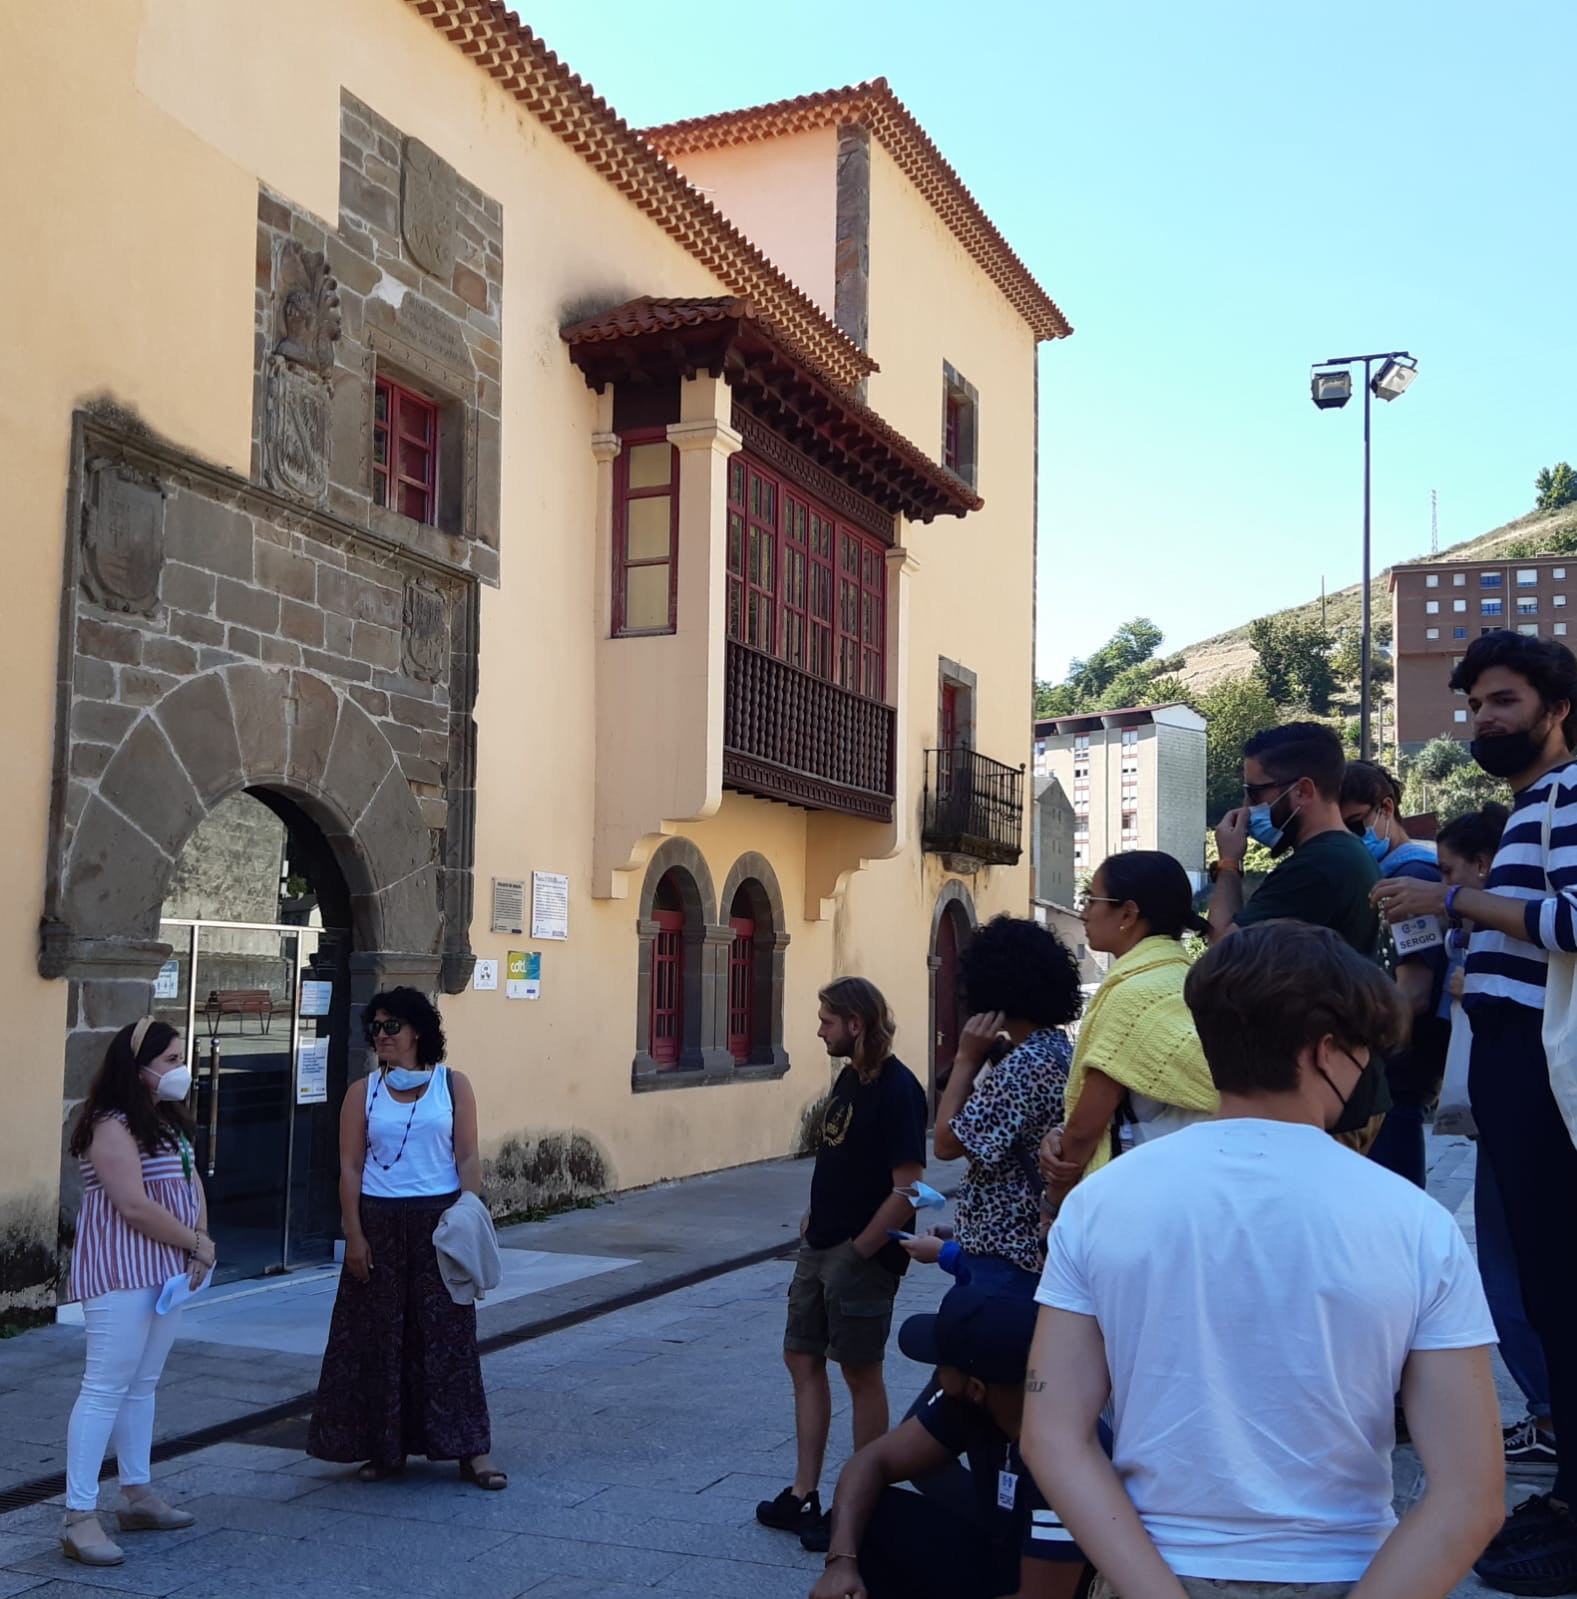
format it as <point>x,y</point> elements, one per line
<point>1260,827</point>
<point>1378,847</point>
<point>403,1077</point>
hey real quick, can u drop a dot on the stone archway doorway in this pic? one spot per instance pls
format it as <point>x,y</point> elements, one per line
<point>952,925</point>
<point>257,915</point>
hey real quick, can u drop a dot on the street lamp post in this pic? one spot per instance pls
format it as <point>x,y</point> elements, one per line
<point>1331,388</point>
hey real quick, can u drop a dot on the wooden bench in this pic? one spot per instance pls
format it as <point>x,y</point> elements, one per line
<point>240,1003</point>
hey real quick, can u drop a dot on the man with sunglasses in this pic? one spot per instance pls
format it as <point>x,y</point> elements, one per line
<point>1292,784</point>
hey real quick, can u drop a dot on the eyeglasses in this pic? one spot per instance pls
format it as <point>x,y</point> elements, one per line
<point>390,1026</point>
<point>1086,900</point>
<point>1252,791</point>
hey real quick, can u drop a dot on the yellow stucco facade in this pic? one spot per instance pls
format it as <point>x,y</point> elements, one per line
<point>133,289</point>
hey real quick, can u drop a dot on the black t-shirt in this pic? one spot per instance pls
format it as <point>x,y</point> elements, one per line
<point>1031,1529</point>
<point>867,1130</point>
<point>1326,882</point>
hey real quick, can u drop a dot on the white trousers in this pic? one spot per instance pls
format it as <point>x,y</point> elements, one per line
<point>128,1343</point>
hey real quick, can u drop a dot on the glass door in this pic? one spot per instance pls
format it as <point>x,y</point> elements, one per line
<point>264,1010</point>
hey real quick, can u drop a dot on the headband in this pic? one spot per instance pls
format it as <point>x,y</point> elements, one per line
<point>139,1033</point>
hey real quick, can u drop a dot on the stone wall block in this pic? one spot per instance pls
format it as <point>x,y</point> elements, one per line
<point>109,1003</point>
<point>85,1052</point>
<point>187,587</point>
<point>359,760</point>
<point>365,199</point>
<point>195,629</point>
<point>143,688</point>
<point>97,723</point>
<point>200,726</point>
<point>361,593</point>
<point>393,834</point>
<point>312,726</point>
<point>280,652</point>
<point>94,680</point>
<point>169,655</point>
<point>283,573</point>
<point>377,646</point>
<point>147,783</point>
<point>373,701</point>
<point>214,537</point>
<point>247,606</point>
<point>303,624</point>
<point>341,666</point>
<point>409,910</point>
<point>435,812</point>
<point>107,642</point>
<point>89,760</point>
<point>257,702</point>
<point>419,713</point>
<point>243,641</point>
<point>116,877</point>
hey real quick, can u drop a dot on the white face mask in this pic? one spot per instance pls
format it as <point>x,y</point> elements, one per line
<point>406,1077</point>
<point>174,1084</point>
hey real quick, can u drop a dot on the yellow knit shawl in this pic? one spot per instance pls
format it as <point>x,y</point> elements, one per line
<point>1141,1034</point>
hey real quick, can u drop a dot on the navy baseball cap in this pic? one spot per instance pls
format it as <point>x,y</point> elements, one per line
<point>982,1335</point>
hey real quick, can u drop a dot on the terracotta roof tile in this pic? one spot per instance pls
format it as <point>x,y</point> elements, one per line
<point>874,106</point>
<point>568,107</point>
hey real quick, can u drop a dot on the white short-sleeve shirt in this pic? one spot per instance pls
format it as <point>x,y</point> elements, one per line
<point>1259,1287</point>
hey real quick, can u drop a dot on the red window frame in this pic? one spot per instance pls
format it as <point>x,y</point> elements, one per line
<point>623,564</point>
<point>741,989</point>
<point>405,451</point>
<point>952,430</point>
<point>667,1020</point>
<point>802,585</point>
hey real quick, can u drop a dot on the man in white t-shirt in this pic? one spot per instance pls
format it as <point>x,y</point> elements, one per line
<point>1251,1296</point>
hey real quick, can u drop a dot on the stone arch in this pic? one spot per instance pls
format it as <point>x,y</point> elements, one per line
<point>955,905</point>
<point>753,877</point>
<point>703,1056</point>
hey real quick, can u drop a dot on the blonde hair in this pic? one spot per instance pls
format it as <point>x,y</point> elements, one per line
<point>859,999</point>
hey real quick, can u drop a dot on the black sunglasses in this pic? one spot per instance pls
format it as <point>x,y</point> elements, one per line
<point>390,1025</point>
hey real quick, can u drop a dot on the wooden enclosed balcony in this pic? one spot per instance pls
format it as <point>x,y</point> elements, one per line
<point>974,806</point>
<point>790,736</point>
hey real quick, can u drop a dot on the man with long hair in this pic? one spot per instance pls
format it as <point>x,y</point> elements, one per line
<point>872,1145</point>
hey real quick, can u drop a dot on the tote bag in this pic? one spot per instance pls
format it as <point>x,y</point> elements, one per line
<point>1453,1114</point>
<point>1560,1004</point>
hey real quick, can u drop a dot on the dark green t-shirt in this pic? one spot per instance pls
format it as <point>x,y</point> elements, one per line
<point>1326,882</point>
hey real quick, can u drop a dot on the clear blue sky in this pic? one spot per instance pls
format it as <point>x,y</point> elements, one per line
<point>1216,195</point>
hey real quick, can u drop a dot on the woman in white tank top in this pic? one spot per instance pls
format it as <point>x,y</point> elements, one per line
<point>408,1149</point>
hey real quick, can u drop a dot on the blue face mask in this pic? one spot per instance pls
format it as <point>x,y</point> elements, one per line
<point>1378,847</point>
<point>403,1078</point>
<point>1260,827</point>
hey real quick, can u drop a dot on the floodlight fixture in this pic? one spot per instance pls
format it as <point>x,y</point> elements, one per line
<point>1331,390</point>
<point>1392,380</point>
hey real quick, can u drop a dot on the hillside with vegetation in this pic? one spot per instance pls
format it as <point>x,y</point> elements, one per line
<point>1305,662</point>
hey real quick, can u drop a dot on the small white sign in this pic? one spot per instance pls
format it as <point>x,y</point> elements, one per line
<point>167,985</point>
<point>549,905</point>
<point>316,997</point>
<point>1415,936</point>
<point>509,905</point>
<point>485,976</point>
<point>312,1071</point>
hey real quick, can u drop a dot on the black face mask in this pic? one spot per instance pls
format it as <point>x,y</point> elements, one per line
<point>1506,754</point>
<point>1358,1106</point>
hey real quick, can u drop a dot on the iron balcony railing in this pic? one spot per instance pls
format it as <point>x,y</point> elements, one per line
<point>973,806</point>
<point>790,736</point>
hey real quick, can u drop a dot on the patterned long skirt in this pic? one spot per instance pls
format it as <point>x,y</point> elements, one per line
<point>401,1374</point>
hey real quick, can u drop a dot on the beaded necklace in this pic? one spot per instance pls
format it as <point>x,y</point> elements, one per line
<point>389,1165</point>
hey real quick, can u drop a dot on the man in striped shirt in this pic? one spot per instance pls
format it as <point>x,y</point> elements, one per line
<point>1522,693</point>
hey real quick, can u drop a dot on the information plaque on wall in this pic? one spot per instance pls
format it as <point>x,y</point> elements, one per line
<point>509,905</point>
<point>549,905</point>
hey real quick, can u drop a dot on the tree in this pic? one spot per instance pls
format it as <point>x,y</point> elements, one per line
<point>1236,708</point>
<point>1556,486</point>
<point>1294,661</point>
<point>1131,645</point>
<point>1123,671</point>
<point>1346,655</point>
<point>1444,778</point>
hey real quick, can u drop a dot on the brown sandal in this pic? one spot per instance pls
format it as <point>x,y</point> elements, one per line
<point>492,1480</point>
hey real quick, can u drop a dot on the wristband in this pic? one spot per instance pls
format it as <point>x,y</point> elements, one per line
<point>1224,865</point>
<point>831,1558</point>
<point>1451,905</point>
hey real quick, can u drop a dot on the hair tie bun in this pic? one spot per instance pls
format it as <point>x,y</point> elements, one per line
<point>139,1033</point>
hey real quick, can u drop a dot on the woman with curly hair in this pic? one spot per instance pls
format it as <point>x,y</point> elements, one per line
<point>1139,1060</point>
<point>1022,983</point>
<point>401,1374</point>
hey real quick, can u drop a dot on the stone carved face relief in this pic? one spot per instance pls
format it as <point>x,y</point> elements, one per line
<point>309,318</point>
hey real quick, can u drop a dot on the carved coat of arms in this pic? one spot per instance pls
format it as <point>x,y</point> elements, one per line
<point>122,538</point>
<point>428,188</point>
<point>297,401</point>
<point>424,643</point>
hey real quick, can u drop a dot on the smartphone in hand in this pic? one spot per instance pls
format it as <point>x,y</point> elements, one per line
<point>898,1237</point>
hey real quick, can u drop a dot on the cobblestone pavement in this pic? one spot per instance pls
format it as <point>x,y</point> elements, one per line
<point>637,1444</point>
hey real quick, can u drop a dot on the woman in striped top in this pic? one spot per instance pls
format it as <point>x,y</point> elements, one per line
<point>143,1221</point>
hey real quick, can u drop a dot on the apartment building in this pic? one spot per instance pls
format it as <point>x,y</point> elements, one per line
<point>1136,778</point>
<point>1439,607</point>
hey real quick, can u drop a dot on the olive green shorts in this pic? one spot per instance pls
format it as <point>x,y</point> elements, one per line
<point>840,1306</point>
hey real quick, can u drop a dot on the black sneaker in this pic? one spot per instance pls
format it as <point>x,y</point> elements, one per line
<point>817,1537</point>
<point>788,1512</point>
<point>1535,1552</point>
<point>1527,1444</point>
